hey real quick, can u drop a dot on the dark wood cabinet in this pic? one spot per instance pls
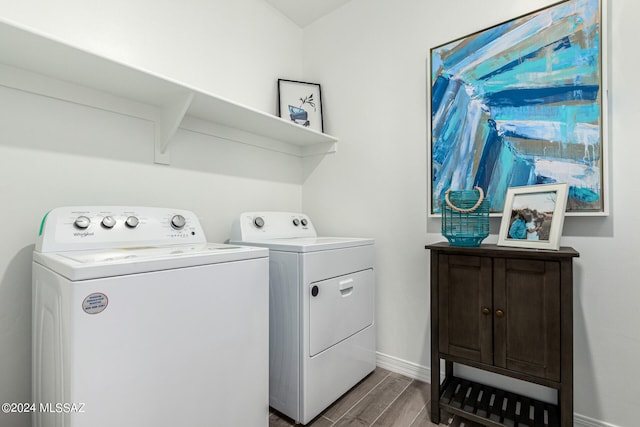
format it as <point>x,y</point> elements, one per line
<point>508,311</point>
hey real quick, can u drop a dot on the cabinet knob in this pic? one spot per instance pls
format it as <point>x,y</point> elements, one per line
<point>499,313</point>
<point>486,311</point>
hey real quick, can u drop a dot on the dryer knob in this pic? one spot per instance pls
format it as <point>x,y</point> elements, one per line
<point>304,222</point>
<point>296,222</point>
<point>258,222</point>
<point>314,291</point>
<point>132,222</point>
<point>82,222</point>
<point>178,222</point>
<point>108,222</point>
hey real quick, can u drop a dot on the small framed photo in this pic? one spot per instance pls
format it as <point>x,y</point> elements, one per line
<point>533,216</point>
<point>301,103</point>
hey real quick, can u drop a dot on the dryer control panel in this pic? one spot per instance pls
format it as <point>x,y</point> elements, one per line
<point>271,225</point>
<point>99,227</point>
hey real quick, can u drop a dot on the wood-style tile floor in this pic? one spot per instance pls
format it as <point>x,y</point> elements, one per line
<point>382,399</point>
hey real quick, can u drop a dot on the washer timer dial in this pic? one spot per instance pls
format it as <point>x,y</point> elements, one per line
<point>178,222</point>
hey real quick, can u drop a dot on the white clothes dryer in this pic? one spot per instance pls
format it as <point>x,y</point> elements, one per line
<point>321,310</point>
<point>138,321</point>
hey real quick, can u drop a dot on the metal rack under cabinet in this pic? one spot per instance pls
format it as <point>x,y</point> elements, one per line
<point>507,311</point>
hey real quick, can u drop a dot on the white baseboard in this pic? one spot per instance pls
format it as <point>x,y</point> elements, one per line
<point>409,369</point>
<point>422,373</point>
<point>582,421</point>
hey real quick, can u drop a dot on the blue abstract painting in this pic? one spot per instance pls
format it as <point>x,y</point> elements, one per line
<point>520,104</point>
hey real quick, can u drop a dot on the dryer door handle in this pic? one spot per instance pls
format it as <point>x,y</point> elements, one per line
<point>346,287</point>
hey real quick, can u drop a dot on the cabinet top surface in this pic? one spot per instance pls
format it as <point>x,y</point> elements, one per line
<point>504,251</point>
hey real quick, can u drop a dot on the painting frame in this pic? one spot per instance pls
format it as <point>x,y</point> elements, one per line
<point>537,212</point>
<point>588,178</point>
<point>301,103</point>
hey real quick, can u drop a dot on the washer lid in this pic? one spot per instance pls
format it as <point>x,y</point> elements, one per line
<point>310,244</point>
<point>84,265</point>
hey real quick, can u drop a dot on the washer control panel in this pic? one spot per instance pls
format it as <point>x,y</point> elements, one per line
<point>98,227</point>
<point>271,225</point>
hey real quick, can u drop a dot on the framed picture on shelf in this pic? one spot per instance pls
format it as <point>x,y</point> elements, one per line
<point>533,216</point>
<point>300,102</point>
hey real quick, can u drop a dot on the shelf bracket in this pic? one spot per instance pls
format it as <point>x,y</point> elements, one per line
<point>169,119</point>
<point>320,148</point>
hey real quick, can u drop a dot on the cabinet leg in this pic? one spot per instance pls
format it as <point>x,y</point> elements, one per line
<point>448,369</point>
<point>565,402</point>
<point>435,390</point>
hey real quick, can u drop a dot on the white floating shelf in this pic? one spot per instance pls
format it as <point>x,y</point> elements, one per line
<point>177,105</point>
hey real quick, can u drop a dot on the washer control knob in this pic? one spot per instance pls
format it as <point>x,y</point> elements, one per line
<point>108,222</point>
<point>314,291</point>
<point>304,222</point>
<point>178,222</point>
<point>258,222</point>
<point>82,222</point>
<point>132,222</point>
<point>296,222</point>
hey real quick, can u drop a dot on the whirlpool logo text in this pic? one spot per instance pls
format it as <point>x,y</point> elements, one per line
<point>83,234</point>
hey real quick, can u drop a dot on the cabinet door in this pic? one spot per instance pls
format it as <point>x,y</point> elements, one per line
<point>527,316</point>
<point>464,291</point>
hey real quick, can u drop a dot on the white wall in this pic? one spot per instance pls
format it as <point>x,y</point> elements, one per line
<point>370,57</point>
<point>56,153</point>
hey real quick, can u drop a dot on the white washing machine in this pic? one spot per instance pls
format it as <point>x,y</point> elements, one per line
<point>138,321</point>
<point>321,310</point>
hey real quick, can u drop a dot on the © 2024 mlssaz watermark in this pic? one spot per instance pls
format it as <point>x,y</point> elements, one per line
<point>51,408</point>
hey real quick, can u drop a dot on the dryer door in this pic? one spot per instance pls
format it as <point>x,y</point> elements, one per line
<point>338,308</point>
